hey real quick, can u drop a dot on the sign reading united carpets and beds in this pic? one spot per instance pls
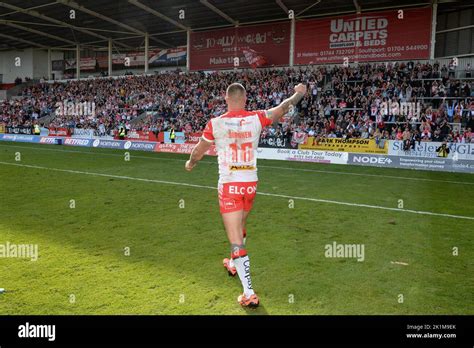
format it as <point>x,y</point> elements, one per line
<point>375,36</point>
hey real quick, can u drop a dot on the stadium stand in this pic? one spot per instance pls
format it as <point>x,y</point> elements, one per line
<point>347,102</point>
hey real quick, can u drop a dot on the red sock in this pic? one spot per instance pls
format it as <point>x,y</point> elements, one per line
<point>238,253</point>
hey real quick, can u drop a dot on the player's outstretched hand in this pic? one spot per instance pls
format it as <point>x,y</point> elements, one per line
<point>300,88</point>
<point>188,166</point>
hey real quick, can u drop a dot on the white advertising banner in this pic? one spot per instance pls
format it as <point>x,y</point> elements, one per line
<point>83,133</point>
<point>457,151</point>
<point>303,155</point>
<point>406,162</point>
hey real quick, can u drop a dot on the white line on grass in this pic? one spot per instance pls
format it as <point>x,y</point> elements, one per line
<point>399,263</point>
<point>260,193</point>
<point>371,175</point>
<point>260,166</point>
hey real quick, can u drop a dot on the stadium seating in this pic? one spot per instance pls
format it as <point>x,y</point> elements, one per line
<point>342,101</point>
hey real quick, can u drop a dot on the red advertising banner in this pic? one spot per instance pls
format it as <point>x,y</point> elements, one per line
<point>138,135</point>
<point>141,135</point>
<point>266,44</point>
<point>103,61</point>
<point>182,148</point>
<point>59,132</point>
<point>86,63</point>
<point>376,36</point>
<point>161,137</point>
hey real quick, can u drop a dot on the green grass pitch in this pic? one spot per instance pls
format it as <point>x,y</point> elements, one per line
<point>176,240</point>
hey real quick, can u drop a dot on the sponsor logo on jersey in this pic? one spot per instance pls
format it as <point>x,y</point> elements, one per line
<point>235,124</point>
<point>243,122</point>
<point>241,167</point>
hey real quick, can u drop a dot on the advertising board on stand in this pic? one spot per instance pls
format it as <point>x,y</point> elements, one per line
<point>77,142</point>
<point>263,45</point>
<point>139,145</point>
<point>281,142</point>
<point>18,130</point>
<point>124,144</point>
<point>179,137</point>
<point>23,138</point>
<point>345,145</point>
<point>457,151</point>
<point>421,163</point>
<point>182,148</point>
<point>302,155</point>
<point>460,159</point>
<point>371,36</point>
<point>59,132</point>
<point>108,144</point>
<point>82,133</point>
<point>51,140</point>
<point>193,137</point>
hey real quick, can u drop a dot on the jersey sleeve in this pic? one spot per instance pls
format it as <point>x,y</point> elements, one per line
<point>264,120</point>
<point>207,133</point>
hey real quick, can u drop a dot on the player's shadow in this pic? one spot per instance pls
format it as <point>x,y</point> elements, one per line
<point>260,310</point>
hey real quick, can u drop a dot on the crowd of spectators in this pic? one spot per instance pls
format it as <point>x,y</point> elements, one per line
<point>385,101</point>
<point>365,101</point>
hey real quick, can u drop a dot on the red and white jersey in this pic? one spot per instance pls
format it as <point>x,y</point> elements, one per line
<point>236,135</point>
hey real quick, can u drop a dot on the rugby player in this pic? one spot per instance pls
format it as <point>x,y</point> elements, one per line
<point>236,134</point>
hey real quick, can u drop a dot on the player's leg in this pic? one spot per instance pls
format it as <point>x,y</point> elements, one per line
<point>230,263</point>
<point>244,225</point>
<point>233,226</point>
<point>228,204</point>
<point>251,190</point>
<point>249,197</point>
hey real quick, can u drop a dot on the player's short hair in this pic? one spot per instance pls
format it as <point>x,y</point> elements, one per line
<point>235,90</point>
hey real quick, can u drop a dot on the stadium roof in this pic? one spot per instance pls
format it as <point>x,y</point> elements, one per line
<point>48,23</point>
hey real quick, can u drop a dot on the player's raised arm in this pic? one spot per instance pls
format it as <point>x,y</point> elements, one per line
<point>197,154</point>
<point>277,112</point>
